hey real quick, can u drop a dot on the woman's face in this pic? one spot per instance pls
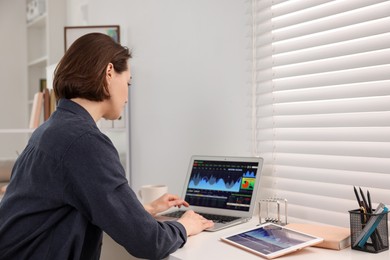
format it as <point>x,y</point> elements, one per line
<point>118,85</point>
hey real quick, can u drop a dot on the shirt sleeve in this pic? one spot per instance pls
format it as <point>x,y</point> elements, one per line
<point>97,187</point>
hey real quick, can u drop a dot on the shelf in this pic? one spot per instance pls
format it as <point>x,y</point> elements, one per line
<point>39,62</point>
<point>16,131</point>
<point>112,129</point>
<point>38,22</point>
<point>28,130</point>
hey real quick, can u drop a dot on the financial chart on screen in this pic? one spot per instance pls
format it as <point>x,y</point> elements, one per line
<point>222,184</point>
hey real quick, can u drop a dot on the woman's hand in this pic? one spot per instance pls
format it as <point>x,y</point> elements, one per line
<point>163,203</point>
<point>194,223</point>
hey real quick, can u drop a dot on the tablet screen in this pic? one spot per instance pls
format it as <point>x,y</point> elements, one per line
<point>271,240</point>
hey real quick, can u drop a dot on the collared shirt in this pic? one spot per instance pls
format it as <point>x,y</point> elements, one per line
<point>66,187</point>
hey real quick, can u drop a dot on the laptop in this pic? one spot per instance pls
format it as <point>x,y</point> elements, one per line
<point>222,189</point>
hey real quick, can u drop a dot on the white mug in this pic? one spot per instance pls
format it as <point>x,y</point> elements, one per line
<point>149,193</point>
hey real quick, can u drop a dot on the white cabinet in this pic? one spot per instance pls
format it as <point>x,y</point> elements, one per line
<point>45,43</point>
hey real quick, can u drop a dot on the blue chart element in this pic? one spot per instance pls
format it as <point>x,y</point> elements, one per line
<point>249,174</point>
<point>212,183</point>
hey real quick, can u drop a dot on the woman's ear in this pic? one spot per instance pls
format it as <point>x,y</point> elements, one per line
<point>109,71</point>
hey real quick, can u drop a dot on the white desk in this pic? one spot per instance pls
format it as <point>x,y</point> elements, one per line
<point>207,245</point>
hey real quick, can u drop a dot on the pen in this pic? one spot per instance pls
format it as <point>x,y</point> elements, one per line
<point>362,216</point>
<point>369,202</point>
<point>357,196</point>
<point>365,205</point>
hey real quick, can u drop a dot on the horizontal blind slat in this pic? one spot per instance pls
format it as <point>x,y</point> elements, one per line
<point>337,49</point>
<point>321,209</point>
<point>288,14</point>
<point>286,7</point>
<point>358,75</point>
<point>347,163</point>
<point>334,176</point>
<point>366,89</point>
<point>360,119</point>
<point>351,135</point>
<point>364,119</point>
<point>351,18</point>
<point>371,28</point>
<point>334,148</point>
<point>348,62</point>
<point>370,104</point>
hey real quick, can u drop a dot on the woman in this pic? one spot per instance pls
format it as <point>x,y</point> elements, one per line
<point>68,185</point>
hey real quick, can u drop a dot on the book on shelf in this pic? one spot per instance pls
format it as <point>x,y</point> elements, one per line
<point>53,101</point>
<point>46,104</point>
<point>334,237</point>
<point>42,85</point>
<point>36,110</point>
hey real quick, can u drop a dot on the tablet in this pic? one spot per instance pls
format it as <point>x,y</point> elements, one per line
<point>270,240</point>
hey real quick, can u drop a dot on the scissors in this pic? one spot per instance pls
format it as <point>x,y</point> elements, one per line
<point>364,213</point>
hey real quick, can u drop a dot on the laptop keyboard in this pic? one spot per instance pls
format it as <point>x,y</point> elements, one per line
<point>213,217</point>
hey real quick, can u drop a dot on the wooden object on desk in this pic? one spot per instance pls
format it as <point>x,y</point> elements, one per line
<point>334,237</point>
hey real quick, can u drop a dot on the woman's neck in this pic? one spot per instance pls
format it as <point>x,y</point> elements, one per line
<point>94,108</point>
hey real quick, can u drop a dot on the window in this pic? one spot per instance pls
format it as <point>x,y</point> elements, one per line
<point>321,103</point>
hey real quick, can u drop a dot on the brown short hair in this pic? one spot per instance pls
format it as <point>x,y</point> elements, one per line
<point>81,73</point>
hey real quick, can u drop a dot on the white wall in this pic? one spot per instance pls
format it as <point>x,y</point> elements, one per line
<point>191,71</point>
<point>13,75</point>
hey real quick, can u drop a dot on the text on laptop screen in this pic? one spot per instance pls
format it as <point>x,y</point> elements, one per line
<point>222,184</point>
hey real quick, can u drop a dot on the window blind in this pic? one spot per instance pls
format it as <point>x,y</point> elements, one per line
<point>321,103</point>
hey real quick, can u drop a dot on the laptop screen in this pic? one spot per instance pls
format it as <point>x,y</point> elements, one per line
<point>222,184</point>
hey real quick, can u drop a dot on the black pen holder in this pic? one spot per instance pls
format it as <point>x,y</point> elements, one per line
<point>378,241</point>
